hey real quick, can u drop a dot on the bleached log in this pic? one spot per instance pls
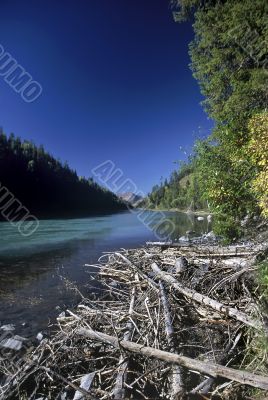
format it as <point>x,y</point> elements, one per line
<point>119,388</point>
<point>177,389</point>
<point>181,265</point>
<point>164,244</point>
<point>135,268</point>
<point>214,250</point>
<point>221,255</point>
<point>205,300</point>
<point>205,368</point>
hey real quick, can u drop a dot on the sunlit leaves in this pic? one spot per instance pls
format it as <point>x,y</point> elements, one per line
<point>258,152</point>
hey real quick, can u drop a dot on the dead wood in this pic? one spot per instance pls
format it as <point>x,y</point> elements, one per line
<point>177,387</point>
<point>205,300</point>
<point>151,333</point>
<point>205,368</point>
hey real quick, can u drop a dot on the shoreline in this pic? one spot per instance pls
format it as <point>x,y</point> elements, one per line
<point>138,306</point>
<point>184,211</point>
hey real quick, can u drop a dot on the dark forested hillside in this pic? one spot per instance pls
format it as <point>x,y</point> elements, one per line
<point>47,187</point>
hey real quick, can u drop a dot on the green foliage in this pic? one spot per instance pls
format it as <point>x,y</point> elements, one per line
<point>181,191</point>
<point>263,279</point>
<point>226,178</point>
<point>183,9</point>
<point>228,68</point>
<point>229,56</point>
<point>228,228</point>
<point>257,150</point>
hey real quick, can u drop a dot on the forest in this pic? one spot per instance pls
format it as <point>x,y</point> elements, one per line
<point>228,171</point>
<point>179,317</point>
<point>47,187</point>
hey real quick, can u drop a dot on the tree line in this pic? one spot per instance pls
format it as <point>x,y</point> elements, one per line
<point>46,186</point>
<point>180,191</point>
<point>229,59</point>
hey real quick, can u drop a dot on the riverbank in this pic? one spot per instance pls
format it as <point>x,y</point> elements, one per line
<point>173,321</point>
<point>184,211</point>
<point>32,291</point>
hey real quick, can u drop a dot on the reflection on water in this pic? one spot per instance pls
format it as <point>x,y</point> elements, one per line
<point>32,290</point>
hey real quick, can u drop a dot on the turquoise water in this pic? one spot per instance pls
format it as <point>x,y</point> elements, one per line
<point>33,269</point>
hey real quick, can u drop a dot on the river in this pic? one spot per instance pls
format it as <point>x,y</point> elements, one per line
<point>37,272</point>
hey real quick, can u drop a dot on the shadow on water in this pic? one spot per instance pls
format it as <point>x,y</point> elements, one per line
<point>32,291</point>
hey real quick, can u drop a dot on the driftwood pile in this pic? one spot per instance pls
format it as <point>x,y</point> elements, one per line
<point>172,322</point>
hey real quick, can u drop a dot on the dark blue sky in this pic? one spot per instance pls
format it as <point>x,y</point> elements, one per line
<point>116,83</point>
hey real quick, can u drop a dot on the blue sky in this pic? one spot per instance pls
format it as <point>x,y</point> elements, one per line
<point>116,83</point>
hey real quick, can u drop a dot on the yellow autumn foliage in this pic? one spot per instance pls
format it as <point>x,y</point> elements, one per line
<point>258,151</point>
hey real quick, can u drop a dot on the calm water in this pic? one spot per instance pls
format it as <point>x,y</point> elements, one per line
<point>32,291</point>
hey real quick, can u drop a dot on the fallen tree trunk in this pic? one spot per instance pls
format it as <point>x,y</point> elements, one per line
<point>165,244</point>
<point>212,250</point>
<point>221,255</point>
<point>214,370</point>
<point>119,388</point>
<point>177,388</point>
<point>200,298</point>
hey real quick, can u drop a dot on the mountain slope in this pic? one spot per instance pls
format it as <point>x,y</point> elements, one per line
<point>180,191</point>
<point>131,198</point>
<point>45,186</point>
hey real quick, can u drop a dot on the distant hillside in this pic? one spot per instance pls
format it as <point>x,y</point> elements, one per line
<point>131,198</point>
<point>47,187</point>
<point>181,191</point>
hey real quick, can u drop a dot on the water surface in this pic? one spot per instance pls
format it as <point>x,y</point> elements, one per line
<point>32,289</point>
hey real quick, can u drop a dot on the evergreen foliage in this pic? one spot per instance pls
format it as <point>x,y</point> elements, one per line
<point>229,57</point>
<point>182,190</point>
<point>47,187</point>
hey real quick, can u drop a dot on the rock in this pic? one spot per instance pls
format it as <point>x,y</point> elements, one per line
<point>86,382</point>
<point>8,328</point>
<point>181,265</point>
<point>209,218</point>
<point>200,218</point>
<point>197,240</point>
<point>12,344</point>
<point>62,314</point>
<point>211,235</point>
<point>190,232</point>
<point>184,239</point>
<point>39,336</point>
